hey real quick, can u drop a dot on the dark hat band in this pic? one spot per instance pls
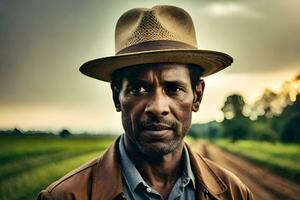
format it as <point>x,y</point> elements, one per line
<point>156,45</point>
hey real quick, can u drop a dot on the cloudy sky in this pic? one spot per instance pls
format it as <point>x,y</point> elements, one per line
<point>43,43</point>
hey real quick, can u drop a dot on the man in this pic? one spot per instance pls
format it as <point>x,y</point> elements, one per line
<point>156,84</point>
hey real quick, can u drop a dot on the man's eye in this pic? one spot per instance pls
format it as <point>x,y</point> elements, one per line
<point>173,89</point>
<point>136,90</point>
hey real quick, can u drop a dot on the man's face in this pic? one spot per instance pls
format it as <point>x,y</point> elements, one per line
<point>156,102</point>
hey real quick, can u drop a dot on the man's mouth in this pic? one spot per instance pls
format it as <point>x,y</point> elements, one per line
<point>156,131</point>
<point>157,127</point>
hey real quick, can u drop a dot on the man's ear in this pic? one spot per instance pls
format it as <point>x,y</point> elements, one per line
<point>198,93</point>
<point>115,93</point>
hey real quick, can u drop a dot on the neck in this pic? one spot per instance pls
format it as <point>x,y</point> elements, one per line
<point>160,173</point>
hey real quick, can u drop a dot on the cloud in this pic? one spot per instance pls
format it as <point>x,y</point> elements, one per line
<point>231,9</point>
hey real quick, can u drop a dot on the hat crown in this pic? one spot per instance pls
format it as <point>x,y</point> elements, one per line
<point>162,34</point>
<point>161,23</point>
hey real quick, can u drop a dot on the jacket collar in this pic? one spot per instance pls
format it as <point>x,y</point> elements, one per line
<point>107,177</point>
<point>205,176</point>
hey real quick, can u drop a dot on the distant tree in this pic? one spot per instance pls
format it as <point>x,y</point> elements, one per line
<point>266,110</point>
<point>268,105</point>
<point>233,106</point>
<point>65,133</point>
<point>195,131</point>
<point>236,128</point>
<point>236,124</point>
<point>290,90</point>
<point>39,133</point>
<point>17,132</point>
<point>11,133</point>
<point>214,130</point>
<point>291,130</point>
<point>262,130</point>
<point>210,130</point>
<point>289,122</point>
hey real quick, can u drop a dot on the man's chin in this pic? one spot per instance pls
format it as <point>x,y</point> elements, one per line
<point>158,149</point>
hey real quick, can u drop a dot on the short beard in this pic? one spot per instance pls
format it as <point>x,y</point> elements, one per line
<point>152,151</point>
<point>155,153</point>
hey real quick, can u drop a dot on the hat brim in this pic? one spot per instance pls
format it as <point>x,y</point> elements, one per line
<point>210,61</point>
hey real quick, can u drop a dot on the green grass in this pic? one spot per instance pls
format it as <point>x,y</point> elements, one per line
<point>282,159</point>
<point>30,164</point>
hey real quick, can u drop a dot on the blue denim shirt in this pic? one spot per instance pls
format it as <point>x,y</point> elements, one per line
<point>135,187</point>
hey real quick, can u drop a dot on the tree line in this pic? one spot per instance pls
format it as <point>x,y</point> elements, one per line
<point>64,133</point>
<point>273,117</point>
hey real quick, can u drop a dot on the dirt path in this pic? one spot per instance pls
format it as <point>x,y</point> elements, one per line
<point>263,184</point>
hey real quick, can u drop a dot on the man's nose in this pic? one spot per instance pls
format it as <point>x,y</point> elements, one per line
<point>158,104</point>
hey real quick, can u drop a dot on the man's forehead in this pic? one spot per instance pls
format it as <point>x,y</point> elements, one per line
<point>163,71</point>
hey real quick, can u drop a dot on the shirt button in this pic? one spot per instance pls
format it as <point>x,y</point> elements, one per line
<point>148,189</point>
<point>185,181</point>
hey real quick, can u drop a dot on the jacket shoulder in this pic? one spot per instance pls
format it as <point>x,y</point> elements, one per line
<point>225,175</point>
<point>235,187</point>
<point>67,187</point>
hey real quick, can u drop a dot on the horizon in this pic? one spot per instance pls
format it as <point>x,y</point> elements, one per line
<point>41,87</point>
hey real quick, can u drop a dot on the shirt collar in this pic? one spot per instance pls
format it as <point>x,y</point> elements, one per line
<point>134,178</point>
<point>187,166</point>
<point>131,175</point>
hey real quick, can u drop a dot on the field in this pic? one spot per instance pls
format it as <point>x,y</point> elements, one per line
<point>30,164</point>
<point>281,159</point>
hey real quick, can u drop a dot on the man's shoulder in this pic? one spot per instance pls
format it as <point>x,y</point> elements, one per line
<point>81,173</point>
<point>230,185</point>
<point>225,175</point>
<point>76,181</point>
<point>100,174</point>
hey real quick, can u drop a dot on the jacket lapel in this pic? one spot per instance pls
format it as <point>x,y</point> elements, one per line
<point>107,178</point>
<point>206,180</point>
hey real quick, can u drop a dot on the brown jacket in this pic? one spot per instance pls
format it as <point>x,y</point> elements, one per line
<point>101,179</point>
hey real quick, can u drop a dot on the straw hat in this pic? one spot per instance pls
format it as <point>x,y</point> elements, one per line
<point>162,34</point>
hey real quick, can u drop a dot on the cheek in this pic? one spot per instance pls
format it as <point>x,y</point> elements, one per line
<point>183,112</point>
<point>132,110</point>
<point>186,117</point>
